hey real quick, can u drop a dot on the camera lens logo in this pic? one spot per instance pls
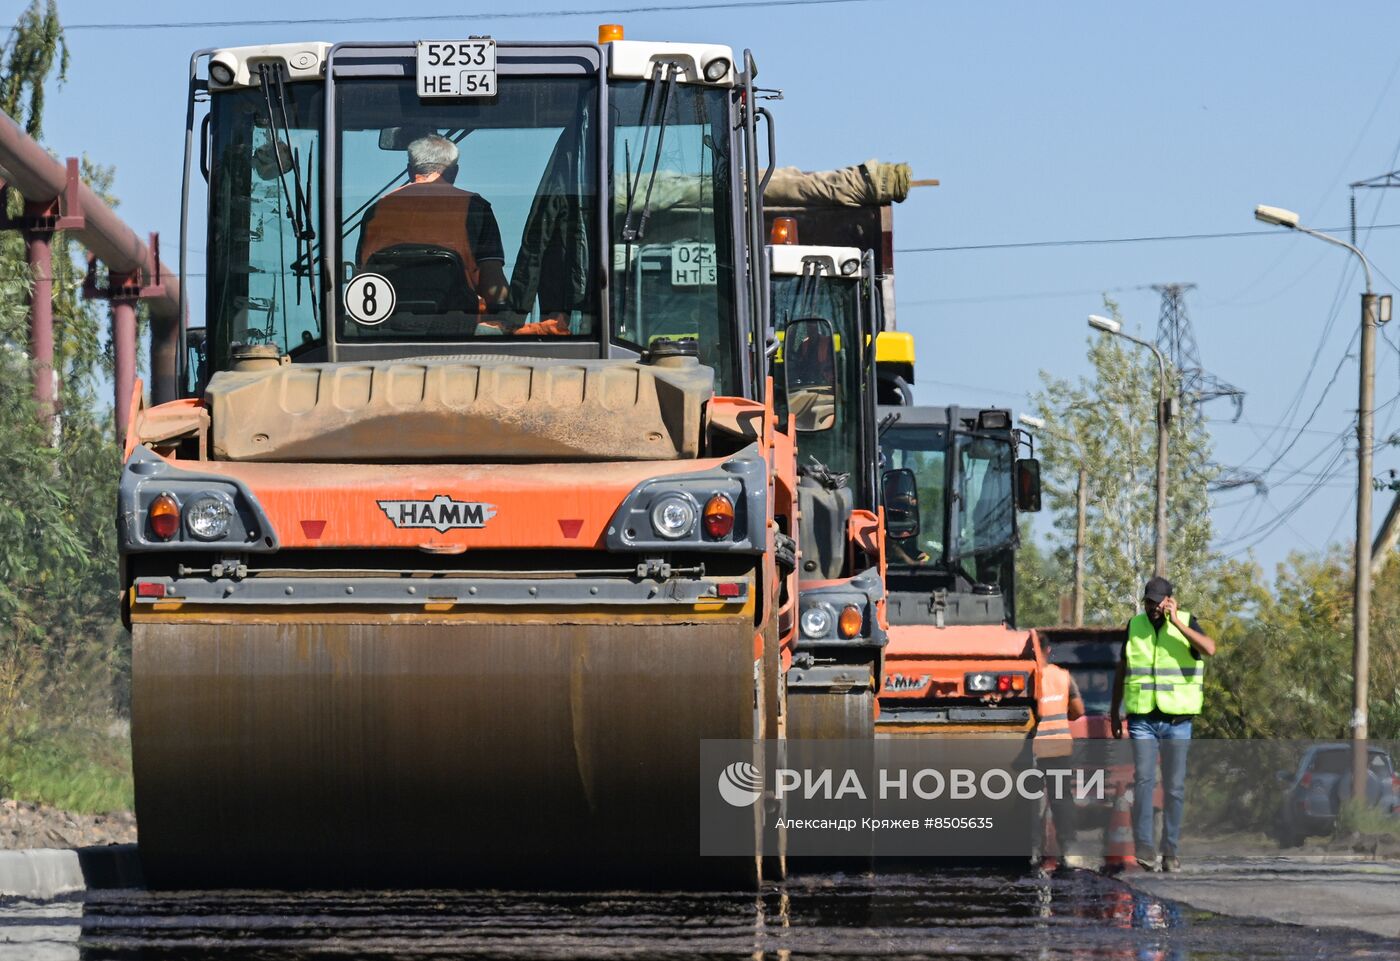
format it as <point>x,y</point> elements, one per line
<point>741,784</point>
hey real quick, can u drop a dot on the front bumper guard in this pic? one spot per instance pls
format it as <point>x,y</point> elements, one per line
<point>264,591</point>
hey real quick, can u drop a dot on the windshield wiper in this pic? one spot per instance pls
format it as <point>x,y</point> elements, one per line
<point>298,204</point>
<point>654,113</point>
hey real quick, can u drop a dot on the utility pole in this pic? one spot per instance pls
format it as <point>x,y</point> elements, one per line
<point>1164,412</point>
<point>1079,526</point>
<point>1374,312</point>
<point>1361,608</point>
<point>1388,537</point>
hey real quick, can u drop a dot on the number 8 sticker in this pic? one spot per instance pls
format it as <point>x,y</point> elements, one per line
<point>370,299</point>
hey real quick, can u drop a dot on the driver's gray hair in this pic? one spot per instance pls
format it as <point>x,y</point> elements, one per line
<point>431,154</point>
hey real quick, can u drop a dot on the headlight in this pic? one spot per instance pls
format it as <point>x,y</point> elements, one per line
<point>849,267</point>
<point>208,516</point>
<point>673,516</point>
<point>980,683</point>
<point>816,622</point>
<point>221,72</point>
<point>716,69</point>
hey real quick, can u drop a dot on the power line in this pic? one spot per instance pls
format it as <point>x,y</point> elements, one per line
<point>449,17</point>
<point>1094,241</point>
<point>1022,396</point>
<point>1255,423</point>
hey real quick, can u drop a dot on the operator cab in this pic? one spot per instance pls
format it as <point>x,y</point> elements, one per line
<point>952,488</point>
<point>374,201</point>
<point>822,309</point>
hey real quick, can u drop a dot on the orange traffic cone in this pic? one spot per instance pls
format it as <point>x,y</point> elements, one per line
<point>1122,851</point>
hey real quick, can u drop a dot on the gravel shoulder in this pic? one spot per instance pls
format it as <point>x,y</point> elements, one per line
<point>25,825</point>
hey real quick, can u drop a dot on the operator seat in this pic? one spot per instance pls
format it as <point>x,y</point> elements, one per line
<point>427,279</point>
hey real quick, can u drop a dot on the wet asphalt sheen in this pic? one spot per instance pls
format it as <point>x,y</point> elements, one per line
<point>934,914</point>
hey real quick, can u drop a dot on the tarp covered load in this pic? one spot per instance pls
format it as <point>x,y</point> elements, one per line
<point>871,184</point>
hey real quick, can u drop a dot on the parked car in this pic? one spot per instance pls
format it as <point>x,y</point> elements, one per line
<point>1313,794</point>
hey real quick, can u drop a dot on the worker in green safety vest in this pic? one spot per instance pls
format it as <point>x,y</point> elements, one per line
<point>1161,677</point>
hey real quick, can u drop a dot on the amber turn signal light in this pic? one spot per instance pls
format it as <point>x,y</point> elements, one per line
<point>784,231</point>
<point>164,516</point>
<point>719,516</point>
<point>848,624</point>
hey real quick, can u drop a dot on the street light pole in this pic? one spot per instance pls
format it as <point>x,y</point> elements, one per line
<point>1371,311</point>
<point>1159,545</point>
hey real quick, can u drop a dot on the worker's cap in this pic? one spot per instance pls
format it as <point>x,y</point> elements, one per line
<point>1157,589</point>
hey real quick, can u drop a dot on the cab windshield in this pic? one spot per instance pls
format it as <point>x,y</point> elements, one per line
<point>672,228</point>
<point>985,516</point>
<point>835,300</point>
<point>477,214</point>
<point>923,451</point>
<point>457,220</point>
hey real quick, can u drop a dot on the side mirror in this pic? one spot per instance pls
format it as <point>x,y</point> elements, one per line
<point>901,498</point>
<point>1028,485</point>
<point>809,374</point>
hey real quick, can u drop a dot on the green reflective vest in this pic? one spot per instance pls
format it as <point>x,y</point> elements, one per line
<point>1162,672</point>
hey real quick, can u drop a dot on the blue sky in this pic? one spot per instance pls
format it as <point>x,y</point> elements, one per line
<point>1044,122</point>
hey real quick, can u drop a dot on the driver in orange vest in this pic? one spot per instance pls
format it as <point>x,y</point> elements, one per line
<point>429,209</point>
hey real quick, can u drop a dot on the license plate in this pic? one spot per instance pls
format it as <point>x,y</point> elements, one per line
<point>456,68</point>
<point>693,265</point>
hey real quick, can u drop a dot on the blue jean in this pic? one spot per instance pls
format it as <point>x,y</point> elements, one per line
<point>1169,736</point>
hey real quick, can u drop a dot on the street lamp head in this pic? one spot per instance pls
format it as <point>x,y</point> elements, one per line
<point>1276,216</point>
<point>1106,324</point>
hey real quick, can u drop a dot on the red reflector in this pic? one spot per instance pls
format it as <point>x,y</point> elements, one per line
<point>1003,682</point>
<point>731,589</point>
<point>150,590</point>
<point>313,529</point>
<point>570,528</point>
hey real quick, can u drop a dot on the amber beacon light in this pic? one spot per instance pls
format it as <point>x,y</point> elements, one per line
<point>784,231</point>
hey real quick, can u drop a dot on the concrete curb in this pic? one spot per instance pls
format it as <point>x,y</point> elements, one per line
<point>44,873</point>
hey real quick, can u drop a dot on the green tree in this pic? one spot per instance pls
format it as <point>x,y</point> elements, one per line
<point>62,651</point>
<point>35,45</point>
<point>1042,577</point>
<point>1106,424</point>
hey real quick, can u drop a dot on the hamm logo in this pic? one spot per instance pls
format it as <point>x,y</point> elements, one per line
<point>441,513</point>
